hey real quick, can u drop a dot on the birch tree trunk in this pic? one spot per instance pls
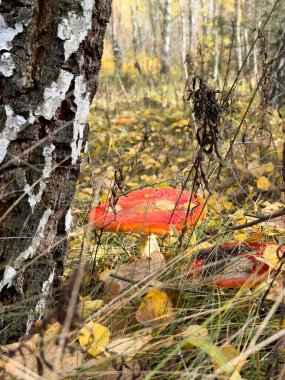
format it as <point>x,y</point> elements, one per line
<point>153,17</point>
<point>49,63</point>
<point>216,41</point>
<point>277,93</point>
<point>193,33</point>
<point>183,36</point>
<point>135,40</point>
<point>165,64</point>
<point>238,33</point>
<point>117,52</point>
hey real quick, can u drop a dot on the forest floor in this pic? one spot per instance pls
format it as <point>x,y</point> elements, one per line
<point>163,322</point>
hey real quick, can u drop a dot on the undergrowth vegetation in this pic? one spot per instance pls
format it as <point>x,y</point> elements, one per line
<point>147,318</point>
<point>146,137</point>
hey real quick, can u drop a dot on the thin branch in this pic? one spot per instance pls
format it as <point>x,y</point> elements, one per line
<point>174,289</point>
<point>259,219</point>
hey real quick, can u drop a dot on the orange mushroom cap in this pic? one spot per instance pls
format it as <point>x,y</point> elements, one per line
<point>149,211</point>
<point>239,265</point>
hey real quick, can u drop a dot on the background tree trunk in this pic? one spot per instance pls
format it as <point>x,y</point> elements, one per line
<point>165,64</point>
<point>117,52</point>
<point>50,59</point>
<point>277,95</point>
<point>238,33</point>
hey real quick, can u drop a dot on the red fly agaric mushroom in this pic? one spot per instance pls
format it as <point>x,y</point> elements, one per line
<point>149,212</point>
<point>232,265</point>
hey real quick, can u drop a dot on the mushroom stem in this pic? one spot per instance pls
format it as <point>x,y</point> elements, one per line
<point>148,244</point>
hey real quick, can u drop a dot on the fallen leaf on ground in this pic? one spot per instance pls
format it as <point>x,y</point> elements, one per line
<point>229,352</point>
<point>134,272</point>
<point>87,307</point>
<point>155,308</point>
<point>193,250</point>
<point>198,336</point>
<point>255,168</point>
<point>38,354</point>
<point>193,331</point>
<point>53,330</point>
<point>94,337</point>
<point>263,183</point>
<point>115,371</point>
<point>124,121</point>
<point>275,289</point>
<point>161,344</point>
<point>269,256</point>
<point>129,346</point>
<point>30,344</point>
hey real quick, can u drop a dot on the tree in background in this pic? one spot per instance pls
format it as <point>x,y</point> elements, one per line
<point>50,59</point>
<point>277,96</point>
<point>157,35</point>
<point>165,59</point>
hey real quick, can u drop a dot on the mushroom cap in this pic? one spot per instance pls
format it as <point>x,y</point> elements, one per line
<point>239,265</point>
<point>149,211</point>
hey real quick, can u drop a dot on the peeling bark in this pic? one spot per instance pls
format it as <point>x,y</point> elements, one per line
<point>50,58</point>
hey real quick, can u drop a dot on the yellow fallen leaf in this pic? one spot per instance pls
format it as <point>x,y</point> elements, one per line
<point>87,307</point>
<point>94,337</point>
<point>155,308</point>
<point>240,237</point>
<point>181,159</point>
<point>229,351</point>
<point>238,217</point>
<point>263,183</point>
<point>270,256</point>
<point>199,247</point>
<point>269,167</point>
<point>129,346</point>
<point>198,336</point>
<point>219,203</point>
<point>228,205</point>
<point>193,331</point>
<point>230,190</point>
<point>53,330</point>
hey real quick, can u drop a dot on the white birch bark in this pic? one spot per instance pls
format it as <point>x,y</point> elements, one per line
<point>49,64</point>
<point>238,33</point>
<point>165,58</point>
